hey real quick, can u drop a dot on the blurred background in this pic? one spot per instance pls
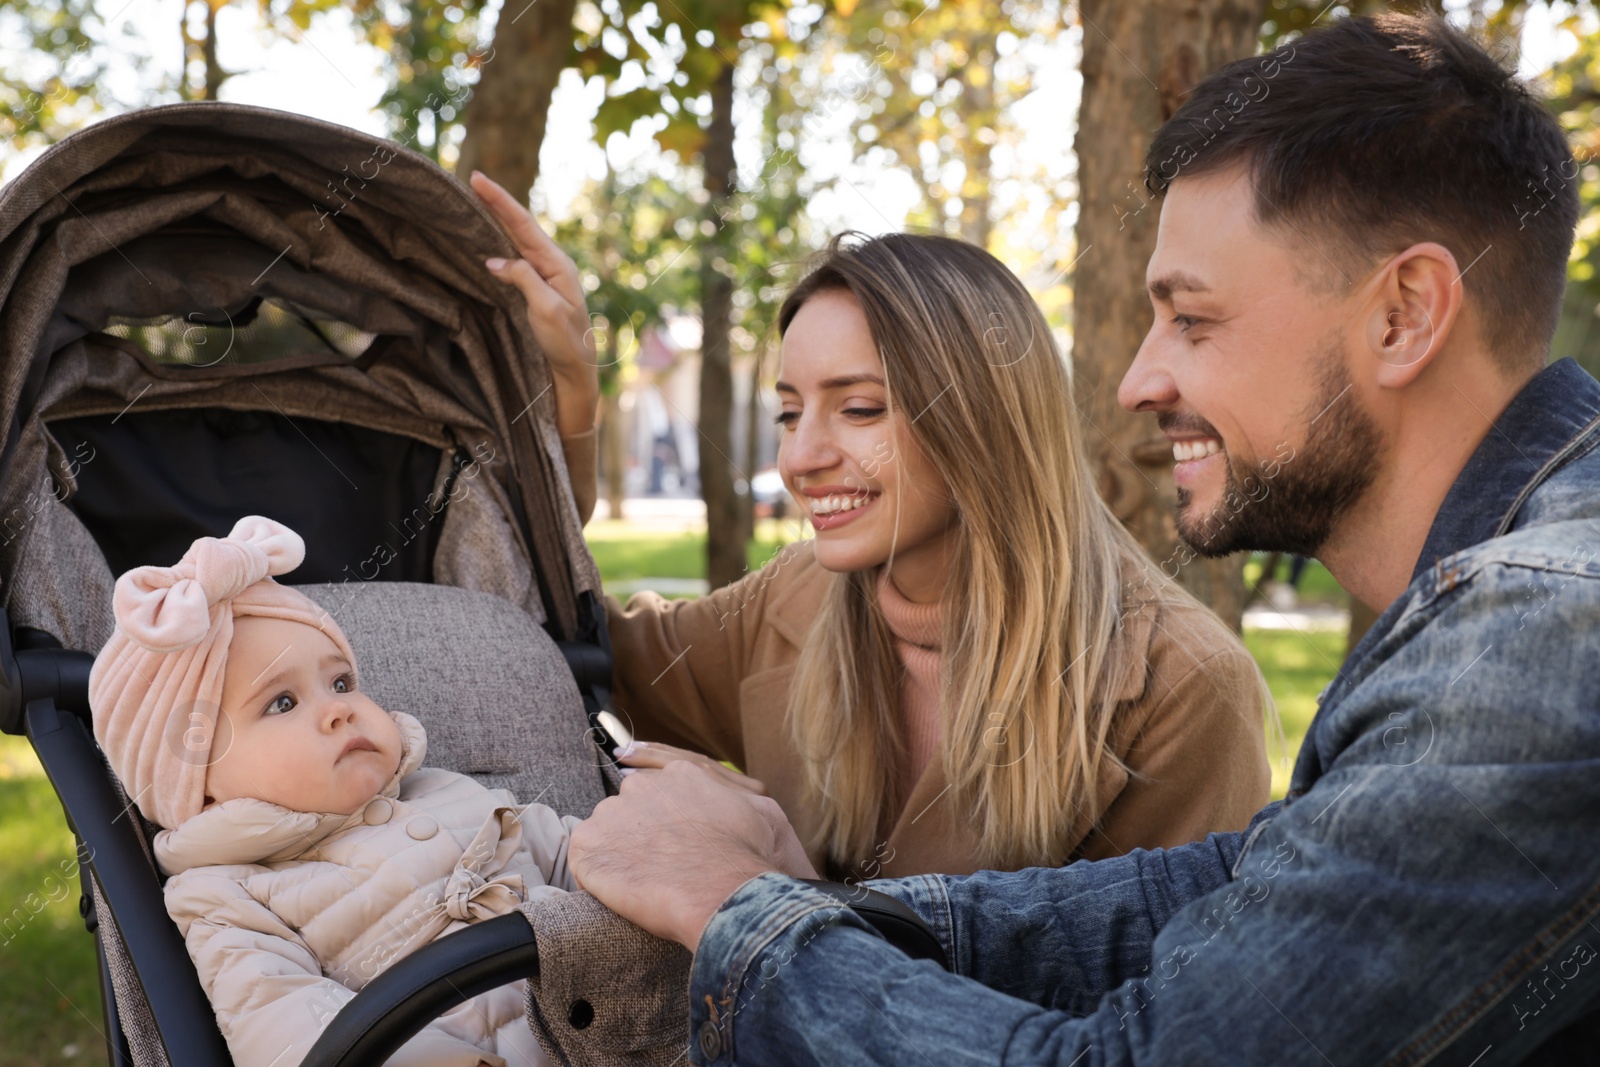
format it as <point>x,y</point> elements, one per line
<point>689,154</point>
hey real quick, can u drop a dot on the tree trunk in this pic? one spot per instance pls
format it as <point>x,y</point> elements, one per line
<point>978,111</point>
<point>1139,62</point>
<point>725,551</point>
<point>214,73</point>
<point>752,447</point>
<point>203,49</point>
<point>505,118</point>
<point>612,436</point>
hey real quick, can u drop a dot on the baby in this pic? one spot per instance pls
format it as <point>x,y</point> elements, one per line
<point>306,847</point>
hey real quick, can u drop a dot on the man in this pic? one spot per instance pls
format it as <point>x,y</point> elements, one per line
<point>1360,262</point>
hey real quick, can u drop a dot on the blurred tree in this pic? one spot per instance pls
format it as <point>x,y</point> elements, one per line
<point>49,94</point>
<point>437,54</point>
<point>727,511</point>
<point>435,57</point>
<point>937,88</point>
<point>505,119</point>
<point>200,50</point>
<point>630,233</point>
<point>933,103</point>
<point>773,234</point>
<point>677,69</point>
<point>1574,88</point>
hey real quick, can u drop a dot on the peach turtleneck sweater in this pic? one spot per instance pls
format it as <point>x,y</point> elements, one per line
<point>917,629</point>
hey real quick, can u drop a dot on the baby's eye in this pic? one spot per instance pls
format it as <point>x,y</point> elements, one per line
<point>281,703</point>
<point>344,684</point>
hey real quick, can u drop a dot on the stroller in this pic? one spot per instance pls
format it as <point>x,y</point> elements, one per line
<point>297,317</point>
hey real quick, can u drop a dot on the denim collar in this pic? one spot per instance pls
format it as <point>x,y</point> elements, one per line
<point>1523,447</point>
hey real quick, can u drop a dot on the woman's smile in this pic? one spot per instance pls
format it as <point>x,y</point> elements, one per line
<point>830,507</point>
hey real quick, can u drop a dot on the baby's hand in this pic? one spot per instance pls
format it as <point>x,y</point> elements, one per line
<point>556,310</point>
<point>639,754</point>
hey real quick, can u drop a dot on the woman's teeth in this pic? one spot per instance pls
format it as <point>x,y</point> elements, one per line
<point>1186,450</point>
<point>831,505</point>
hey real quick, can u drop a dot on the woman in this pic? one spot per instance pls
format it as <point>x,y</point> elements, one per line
<point>972,664</point>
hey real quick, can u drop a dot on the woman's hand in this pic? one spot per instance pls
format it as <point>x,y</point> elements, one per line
<point>557,313</point>
<point>638,754</point>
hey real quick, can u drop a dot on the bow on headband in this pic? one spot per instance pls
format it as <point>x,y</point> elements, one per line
<point>165,609</point>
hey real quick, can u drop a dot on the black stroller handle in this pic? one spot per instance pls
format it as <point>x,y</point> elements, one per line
<point>894,921</point>
<point>38,667</point>
<point>397,1004</point>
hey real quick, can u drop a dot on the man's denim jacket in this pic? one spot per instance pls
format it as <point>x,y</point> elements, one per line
<point>1429,892</point>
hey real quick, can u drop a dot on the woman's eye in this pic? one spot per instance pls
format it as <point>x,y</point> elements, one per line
<point>786,418</point>
<point>280,704</point>
<point>344,684</point>
<point>1183,322</point>
<point>864,413</point>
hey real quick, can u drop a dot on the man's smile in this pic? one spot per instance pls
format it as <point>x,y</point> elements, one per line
<point>1195,448</point>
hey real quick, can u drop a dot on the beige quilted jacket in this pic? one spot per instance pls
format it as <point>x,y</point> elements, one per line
<point>287,915</point>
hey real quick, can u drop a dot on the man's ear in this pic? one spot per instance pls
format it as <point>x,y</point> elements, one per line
<point>1412,312</point>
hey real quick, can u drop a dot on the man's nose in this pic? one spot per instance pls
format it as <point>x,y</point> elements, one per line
<point>1148,385</point>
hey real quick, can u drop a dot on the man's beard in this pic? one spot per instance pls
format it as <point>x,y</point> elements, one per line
<point>1291,501</point>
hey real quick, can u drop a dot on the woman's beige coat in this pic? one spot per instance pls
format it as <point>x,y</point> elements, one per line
<point>287,914</point>
<point>713,675</point>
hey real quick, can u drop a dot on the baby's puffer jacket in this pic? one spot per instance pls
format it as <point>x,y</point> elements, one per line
<point>288,914</point>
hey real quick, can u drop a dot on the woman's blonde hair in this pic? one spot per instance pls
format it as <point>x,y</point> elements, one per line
<point>1033,600</point>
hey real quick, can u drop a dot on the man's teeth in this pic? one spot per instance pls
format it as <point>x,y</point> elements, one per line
<point>1185,450</point>
<point>829,505</point>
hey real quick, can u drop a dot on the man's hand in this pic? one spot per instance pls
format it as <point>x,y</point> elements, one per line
<point>674,843</point>
<point>557,313</point>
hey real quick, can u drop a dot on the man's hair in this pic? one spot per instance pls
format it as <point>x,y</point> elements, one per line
<point>1375,133</point>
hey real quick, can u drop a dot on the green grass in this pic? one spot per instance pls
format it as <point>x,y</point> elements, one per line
<point>49,998</point>
<point>49,995</point>
<point>1297,665</point>
<point>624,554</point>
<point>1316,585</point>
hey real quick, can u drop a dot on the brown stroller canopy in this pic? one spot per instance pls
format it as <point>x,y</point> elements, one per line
<point>218,256</point>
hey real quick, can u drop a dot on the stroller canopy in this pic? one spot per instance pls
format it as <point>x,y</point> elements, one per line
<point>184,270</point>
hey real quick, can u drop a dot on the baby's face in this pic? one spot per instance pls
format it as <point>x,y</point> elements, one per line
<point>296,731</point>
